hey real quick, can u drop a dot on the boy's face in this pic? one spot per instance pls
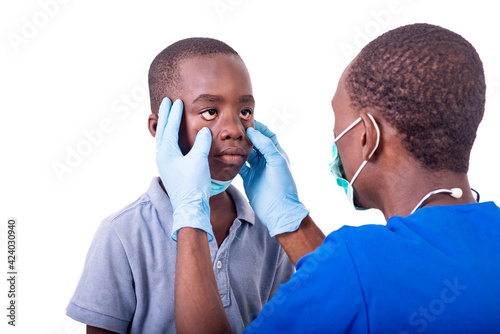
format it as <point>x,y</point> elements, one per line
<point>217,93</point>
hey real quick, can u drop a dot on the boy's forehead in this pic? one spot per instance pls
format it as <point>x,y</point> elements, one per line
<point>210,64</point>
<point>213,72</point>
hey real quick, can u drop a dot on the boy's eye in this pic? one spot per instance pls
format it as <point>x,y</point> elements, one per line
<point>246,114</point>
<point>209,115</point>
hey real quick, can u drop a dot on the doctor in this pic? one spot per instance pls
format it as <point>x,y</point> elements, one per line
<point>406,114</point>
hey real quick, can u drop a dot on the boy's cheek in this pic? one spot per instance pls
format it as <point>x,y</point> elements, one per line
<point>187,134</point>
<point>250,124</point>
<point>186,139</point>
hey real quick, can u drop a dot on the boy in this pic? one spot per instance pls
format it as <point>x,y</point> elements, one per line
<point>127,285</point>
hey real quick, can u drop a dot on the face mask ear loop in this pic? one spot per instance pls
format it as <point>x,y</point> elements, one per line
<point>377,129</point>
<point>348,128</point>
<point>373,151</point>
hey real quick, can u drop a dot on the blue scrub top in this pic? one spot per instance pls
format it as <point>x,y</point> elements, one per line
<point>436,271</point>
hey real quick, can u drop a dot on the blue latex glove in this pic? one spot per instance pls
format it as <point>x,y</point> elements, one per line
<point>269,184</point>
<point>186,178</point>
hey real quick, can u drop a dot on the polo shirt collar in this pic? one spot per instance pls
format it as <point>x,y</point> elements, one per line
<point>162,203</point>
<point>243,210</point>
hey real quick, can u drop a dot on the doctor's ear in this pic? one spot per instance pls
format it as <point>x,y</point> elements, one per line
<point>370,137</point>
<point>152,123</point>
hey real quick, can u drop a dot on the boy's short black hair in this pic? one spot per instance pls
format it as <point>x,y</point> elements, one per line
<point>164,78</point>
<point>427,82</point>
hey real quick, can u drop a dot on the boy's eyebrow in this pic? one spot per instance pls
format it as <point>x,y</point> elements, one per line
<point>209,98</point>
<point>219,98</point>
<point>246,98</point>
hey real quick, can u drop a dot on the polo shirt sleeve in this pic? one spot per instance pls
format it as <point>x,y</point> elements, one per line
<point>323,296</point>
<point>105,295</point>
<point>283,273</point>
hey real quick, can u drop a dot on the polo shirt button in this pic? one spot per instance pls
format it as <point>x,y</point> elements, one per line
<point>219,264</point>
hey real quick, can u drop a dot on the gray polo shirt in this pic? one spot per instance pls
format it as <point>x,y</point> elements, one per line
<point>127,285</point>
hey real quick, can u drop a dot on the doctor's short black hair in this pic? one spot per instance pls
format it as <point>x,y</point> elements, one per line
<point>164,78</point>
<point>428,82</point>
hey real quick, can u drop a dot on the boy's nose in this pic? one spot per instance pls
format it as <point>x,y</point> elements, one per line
<point>232,129</point>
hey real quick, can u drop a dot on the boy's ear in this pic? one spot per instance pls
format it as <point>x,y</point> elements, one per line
<point>152,123</point>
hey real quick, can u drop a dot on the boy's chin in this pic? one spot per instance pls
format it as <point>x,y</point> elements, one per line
<point>225,173</point>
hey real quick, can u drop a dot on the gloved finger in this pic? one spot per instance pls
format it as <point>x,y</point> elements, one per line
<point>171,135</point>
<point>262,128</point>
<point>262,143</point>
<point>163,113</point>
<point>202,143</point>
<point>253,158</point>
<point>244,171</point>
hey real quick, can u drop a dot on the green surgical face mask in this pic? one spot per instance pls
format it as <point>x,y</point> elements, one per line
<point>337,168</point>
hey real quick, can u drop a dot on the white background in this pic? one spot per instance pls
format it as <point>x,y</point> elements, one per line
<point>68,66</point>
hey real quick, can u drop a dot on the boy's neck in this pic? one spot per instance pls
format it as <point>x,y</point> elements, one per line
<point>222,215</point>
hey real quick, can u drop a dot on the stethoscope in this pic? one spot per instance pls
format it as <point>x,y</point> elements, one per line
<point>453,192</point>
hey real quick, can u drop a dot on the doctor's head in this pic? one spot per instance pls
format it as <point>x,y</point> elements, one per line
<point>425,87</point>
<point>214,84</point>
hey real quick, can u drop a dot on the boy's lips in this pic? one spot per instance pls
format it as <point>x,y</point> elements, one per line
<point>231,156</point>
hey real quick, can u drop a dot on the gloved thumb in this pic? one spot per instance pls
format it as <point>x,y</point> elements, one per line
<point>263,144</point>
<point>202,143</point>
<point>244,171</point>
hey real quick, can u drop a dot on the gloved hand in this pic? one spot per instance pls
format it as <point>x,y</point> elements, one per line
<point>269,184</point>
<point>186,178</point>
